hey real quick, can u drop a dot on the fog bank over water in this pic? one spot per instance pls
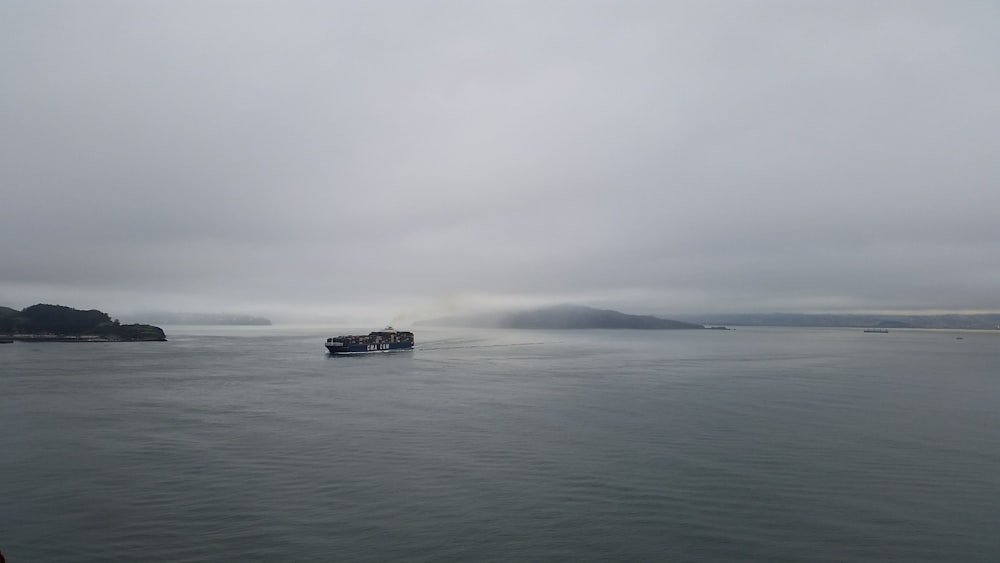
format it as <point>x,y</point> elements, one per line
<point>390,161</point>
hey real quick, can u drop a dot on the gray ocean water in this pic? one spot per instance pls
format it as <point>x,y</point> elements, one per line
<point>251,444</point>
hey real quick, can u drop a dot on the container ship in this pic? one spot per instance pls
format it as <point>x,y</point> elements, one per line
<point>385,340</point>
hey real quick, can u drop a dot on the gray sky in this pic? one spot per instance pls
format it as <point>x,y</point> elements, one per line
<point>400,159</point>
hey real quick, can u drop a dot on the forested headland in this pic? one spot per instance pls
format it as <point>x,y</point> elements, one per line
<point>58,322</point>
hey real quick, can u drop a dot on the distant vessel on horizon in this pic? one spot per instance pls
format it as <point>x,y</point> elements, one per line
<point>385,340</point>
<point>879,330</point>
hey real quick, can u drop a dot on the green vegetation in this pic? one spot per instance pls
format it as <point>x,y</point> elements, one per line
<point>41,322</point>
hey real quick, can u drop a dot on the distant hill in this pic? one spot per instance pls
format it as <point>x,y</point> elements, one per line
<point>953,321</point>
<point>562,317</point>
<point>58,322</point>
<point>167,318</point>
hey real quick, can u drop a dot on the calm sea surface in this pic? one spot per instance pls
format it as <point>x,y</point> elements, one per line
<point>252,444</point>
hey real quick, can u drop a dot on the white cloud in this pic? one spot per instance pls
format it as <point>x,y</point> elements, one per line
<point>386,156</point>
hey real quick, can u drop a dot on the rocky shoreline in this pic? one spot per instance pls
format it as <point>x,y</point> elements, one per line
<point>75,338</point>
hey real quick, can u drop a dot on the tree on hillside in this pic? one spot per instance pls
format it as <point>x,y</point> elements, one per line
<point>60,319</point>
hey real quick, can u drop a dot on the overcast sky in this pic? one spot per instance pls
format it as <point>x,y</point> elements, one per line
<point>398,159</point>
